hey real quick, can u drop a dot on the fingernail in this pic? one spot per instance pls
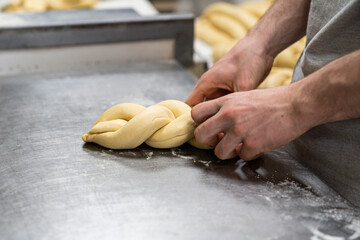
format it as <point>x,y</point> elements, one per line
<point>238,148</point>
<point>220,136</point>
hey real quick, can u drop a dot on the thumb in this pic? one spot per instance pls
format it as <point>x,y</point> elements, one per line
<point>195,97</point>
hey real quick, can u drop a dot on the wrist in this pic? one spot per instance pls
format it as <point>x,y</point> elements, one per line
<point>307,107</point>
<point>262,41</point>
<point>258,44</point>
<point>329,94</point>
<point>249,63</point>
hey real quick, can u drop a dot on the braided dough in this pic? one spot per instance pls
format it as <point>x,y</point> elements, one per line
<point>127,125</point>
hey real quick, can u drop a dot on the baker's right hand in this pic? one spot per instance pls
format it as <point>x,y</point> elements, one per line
<point>243,68</point>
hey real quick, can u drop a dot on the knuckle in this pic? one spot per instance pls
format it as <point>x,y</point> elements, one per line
<point>204,76</point>
<point>197,134</point>
<point>238,130</point>
<point>249,150</point>
<point>195,113</point>
<point>245,154</point>
<point>228,114</point>
<point>200,135</point>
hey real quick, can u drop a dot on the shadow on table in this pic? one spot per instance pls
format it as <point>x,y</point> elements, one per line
<point>272,167</point>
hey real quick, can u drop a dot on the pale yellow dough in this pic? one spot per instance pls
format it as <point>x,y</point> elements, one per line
<point>167,124</point>
<point>45,5</point>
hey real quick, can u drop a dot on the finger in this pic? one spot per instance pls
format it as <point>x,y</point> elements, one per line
<point>209,131</point>
<point>249,153</point>
<point>228,146</point>
<point>199,92</point>
<point>217,93</point>
<point>215,141</point>
<point>195,97</point>
<point>220,136</point>
<point>201,112</point>
<point>238,148</point>
<point>258,155</point>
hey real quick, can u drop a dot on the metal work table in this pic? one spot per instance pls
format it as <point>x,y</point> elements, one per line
<point>54,186</point>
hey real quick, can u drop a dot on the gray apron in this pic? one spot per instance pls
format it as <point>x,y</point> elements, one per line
<point>331,150</point>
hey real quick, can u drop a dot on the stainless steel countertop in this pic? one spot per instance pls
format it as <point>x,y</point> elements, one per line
<point>53,186</point>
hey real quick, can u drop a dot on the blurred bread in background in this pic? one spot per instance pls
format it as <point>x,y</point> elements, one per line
<point>222,25</point>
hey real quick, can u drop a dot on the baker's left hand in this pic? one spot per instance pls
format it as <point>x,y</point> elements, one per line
<point>247,124</point>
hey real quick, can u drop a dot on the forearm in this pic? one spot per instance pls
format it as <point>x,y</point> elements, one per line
<point>330,94</point>
<point>283,24</point>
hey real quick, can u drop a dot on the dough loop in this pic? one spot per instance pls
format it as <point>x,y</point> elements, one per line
<point>167,124</point>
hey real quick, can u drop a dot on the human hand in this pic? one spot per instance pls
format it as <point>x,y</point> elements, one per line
<point>243,68</point>
<point>249,123</point>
